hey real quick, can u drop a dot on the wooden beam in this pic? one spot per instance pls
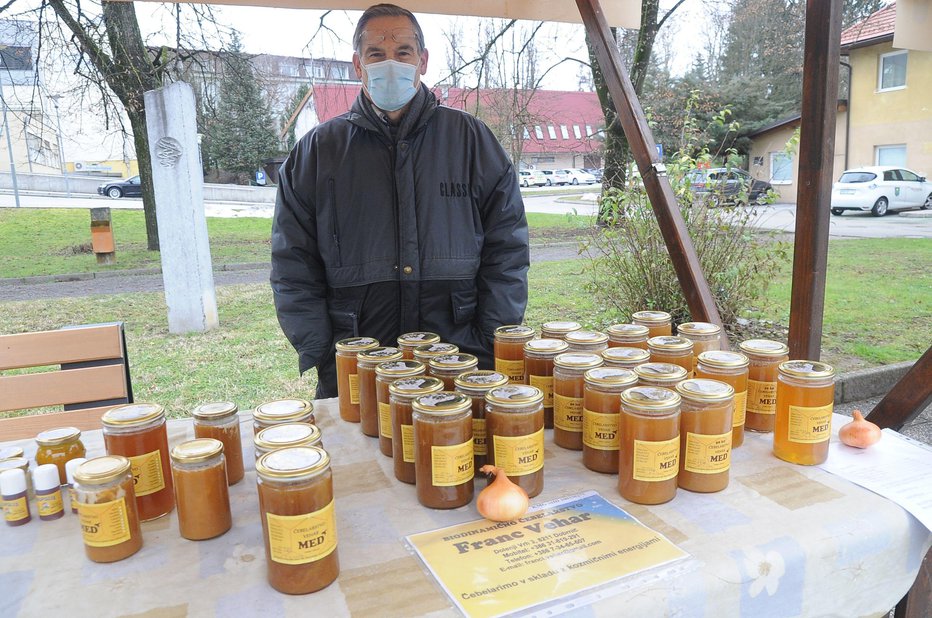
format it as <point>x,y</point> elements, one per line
<point>641,140</point>
<point>816,159</point>
<point>908,397</point>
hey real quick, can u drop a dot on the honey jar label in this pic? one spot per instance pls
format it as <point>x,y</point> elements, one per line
<point>707,454</point>
<point>353,388</point>
<point>385,420</point>
<point>545,384</point>
<point>451,465</point>
<point>600,431</point>
<point>147,473</point>
<point>519,455</point>
<point>810,425</point>
<point>407,443</point>
<point>656,461</point>
<point>514,369</point>
<point>299,539</point>
<point>104,524</point>
<point>479,439</point>
<point>15,510</point>
<point>49,504</point>
<point>761,397</point>
<point>741,402</point>
<point>567,413</point>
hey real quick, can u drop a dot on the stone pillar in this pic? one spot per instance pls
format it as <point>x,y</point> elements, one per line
<point>179,198</point>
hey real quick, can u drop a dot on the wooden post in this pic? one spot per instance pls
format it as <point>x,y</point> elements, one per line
<point>102,236</point>
<point>908,397</point>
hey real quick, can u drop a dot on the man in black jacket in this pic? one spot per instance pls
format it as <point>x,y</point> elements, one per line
<point>398,216</point>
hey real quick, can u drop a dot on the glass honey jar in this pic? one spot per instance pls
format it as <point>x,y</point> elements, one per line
<point>568,392</point>
<point>366,362</point>
<point>423,353</point>
<point>706,412</point>
<point>628,336</point>
<point>601,407</point>
<point>443,449</point>
<point>514,417</point>
<point>803,422</point>
<point>401,394</point>
<point>385,374</point>
<point>732,369</point>
<point>285,436</point>
<point>665,375</point>
<point>409,341</point>
<point>103,489</point>
<point>673,350</point>
<point>648,456</point>
<point>509,350</point>
<point>137,431</point>
<point>557,329</point>
<point>348,375</point>
<point>586,341</point>
<point>58,446</point>
<point>282,411</point>
<point>299,529</point>
<point>201,489</point>
<point>475,385</point>
<point>764,356</point>
<point>704,335</point>
<point>220,421</point>
<point>448,366</point>
<point>658,323</point>
<point>538,369</point>
<point>625,357</point>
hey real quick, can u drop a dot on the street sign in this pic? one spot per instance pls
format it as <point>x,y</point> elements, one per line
<point>660,150</point>
<point>260,177</point>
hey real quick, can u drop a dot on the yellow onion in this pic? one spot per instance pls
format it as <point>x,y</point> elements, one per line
<point>502,500</point>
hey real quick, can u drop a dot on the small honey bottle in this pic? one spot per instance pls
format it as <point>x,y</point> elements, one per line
<point>15,500</point>
<point>48,492</point>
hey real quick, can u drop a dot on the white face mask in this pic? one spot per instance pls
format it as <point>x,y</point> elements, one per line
<point>391,84</point>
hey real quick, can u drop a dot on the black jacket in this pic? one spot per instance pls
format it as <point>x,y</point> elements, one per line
<point>384,230</point>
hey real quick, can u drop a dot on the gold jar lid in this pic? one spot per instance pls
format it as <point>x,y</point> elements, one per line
<point>560,326</point>
<point>614,377</point>
<point>425,352</point>
<point>666,372</point>
<point>652,317</point>
<point>459,360</point>
<point>196,451</point>
<point>649,399</point>
<point>515,396</point>
<point>418,338</point>
<point>722,359</point>
<point>482,379</point>
<point>59,435</point>
<point>698,328</point>
<point>669,343</point>
<point>380,354</point>
<point>705,391</point>
<point>283,410</point>
<point>627,355</point>
<point>287,435</point>
<point>357,344</point>
<point>546,346</point>
<point>215,410</point>
<point>132,414</point>
<point>414,387</point>
<point>14,462</point>
<point>10,452</point>
<point>763,347</point>
<point>400,368</point>
<point>100,470</point>
<point>806,370</point>
<point>586,337</point>
<point>577,360</point>
<point>630,331</point>
<point>444,403</point>
<point>292,463</point>
<point>514,331</point>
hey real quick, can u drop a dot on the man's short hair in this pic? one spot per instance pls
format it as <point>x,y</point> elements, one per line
<point>386,10</point>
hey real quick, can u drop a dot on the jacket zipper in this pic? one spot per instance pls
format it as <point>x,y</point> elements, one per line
<point>334,224</point>
<point>398,240</point>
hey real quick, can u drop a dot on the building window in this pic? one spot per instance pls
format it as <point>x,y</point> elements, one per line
<point>551,131</point>
<point>527,134</point>
<point>564,132</point>
<point>890,155</point>
<point>538,133</point>
<point>576,131</point>
<point>545,159</point>
<point>588,131</point>
<point>781,168</point>
<point>758,161</point>
<point>892,74</point>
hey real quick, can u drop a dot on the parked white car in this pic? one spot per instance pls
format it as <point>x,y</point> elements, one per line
<point>577,176</point>
<point>528,178</point>
<point>880,189</point>
<point>556,177</point>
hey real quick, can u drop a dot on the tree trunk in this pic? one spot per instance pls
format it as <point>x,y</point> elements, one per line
<point>141,142</point>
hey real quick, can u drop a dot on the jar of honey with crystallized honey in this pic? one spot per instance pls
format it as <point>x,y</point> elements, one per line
<point>220,421</point>
<point>589,341</point>
<point>409,341</point>
<point>295,488</point>
<point>201,492</point>
<point>628,336</point>
<point>803,422</point>
<point>366,362</point>
<point>348,374</point>
<point>103,490</point>
<point>509,350</point>
<point>385,374</point>
<point>401,394</point>
<point>280,412</point>
<point>443,449</point>
<point>658,323</point>
<point>601,406</point>
<point>448,366</point>
<point>673,350</point>
<point>648,457</point>
<point>286,435</point>
<point>568,390</point>
<point>515,425</point>
<point>625,357</point>
<point>764,356</point>
<point>704,335</point>
<point>664,375</point>
<point>732,369</point>
<point>59,446</point>
<point>705,434</point>
<point>558,329</point>
<point>538,369</point>
<point>475,385</point>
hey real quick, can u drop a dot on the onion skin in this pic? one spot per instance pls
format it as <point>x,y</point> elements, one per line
<point>859,433</point>
<point>502,500</point>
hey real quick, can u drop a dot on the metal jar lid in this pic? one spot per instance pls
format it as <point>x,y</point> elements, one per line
<point>132,414</point>
<point>215,410</point>
<point>665,372</point>
<point>415,387</point>
<point>546,346</point>
<point>586,337</point>
<point>460,360</point>
<point>10,452</point>
<point>14,462</point>
<point>652,317</point>
<point>443,403</point>
<point>287,435</point>
<point>418,338</point>
<point>283,410</point>
<point>400,369</point>
<point>515,396</point>
<point>628,331</point>
<point>292,463</point>
<point>484,379</point>
<point>722,359</point>
<point>577,360</point>
<point>612,377</point>
<point>357,344</point>
<point>701,390</point>
<point>763,347</point>
<point>59,435</point>
<point>626,355</point>
<point>514,331</point>
<point>560,326</point>
<point>651,399</point>
<point>427,351</point>
<point>380,354</point>
<point>196,451</point>
<point>669,343</point>
<point>100,470</point>
<point>698,329</point>
<point>806,370</point>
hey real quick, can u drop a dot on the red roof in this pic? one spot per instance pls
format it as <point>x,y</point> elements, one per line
<point>556,121</point>
<point>876,28</point>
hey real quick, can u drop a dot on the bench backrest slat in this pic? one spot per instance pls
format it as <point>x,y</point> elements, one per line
<point>54,347</point>
<point>35,390</point>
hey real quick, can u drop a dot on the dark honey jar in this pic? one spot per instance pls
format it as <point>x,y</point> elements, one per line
<point>509,350</point>
<point>475,385</point>
<point>443,449</point>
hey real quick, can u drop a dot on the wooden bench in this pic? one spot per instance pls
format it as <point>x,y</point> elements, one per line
<point>92,376</point>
